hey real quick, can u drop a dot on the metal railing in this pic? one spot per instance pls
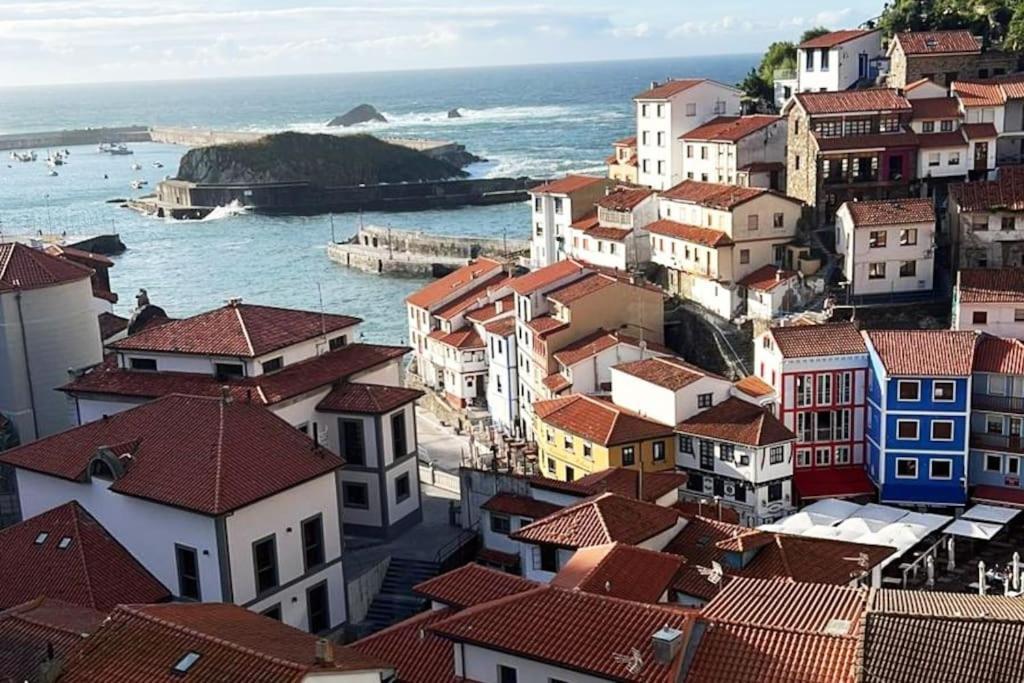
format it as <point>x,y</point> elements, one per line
<point>1002,404</point>
<point>459,550</point>
<point>997,442</point>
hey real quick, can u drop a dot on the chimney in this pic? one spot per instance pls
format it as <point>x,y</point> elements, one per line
<point>778,275</point>
<point>654,84</point>
<point>235,301</point>
<point>225,393</point>
<point>324,652</point>
<point>666,642</point>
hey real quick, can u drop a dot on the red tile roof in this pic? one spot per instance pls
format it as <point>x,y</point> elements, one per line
<point>934,353</point>
<point>440,290</point>
<point>619,480</point>
<point>867,213</point>
<point>91,570</point>
<point>587,221</point>
<point>546,276</point>
<point>242,330</point>
<point>474,297</point>
<point>730,128</point>
<point>834,38</point>
<point>1002,356</point>
<point>620,571</point>
<point>979,131</point>
<point>224,444</point>
<point>142,644</point>
<point>936,108</point>
<point>503,306</point>
<point>936,140</point>
<point>767,278</point>
<point>22,267</point>
<point>472,584</point>
<point>737,421</point>
<point>598,421</point>
<point>853,101</point>
<point>763,167</point>
<point>690,233</point>
<point>556,382</point>
<point>466,338</point>
<point>293,380</point>
<point>583,287</point>
<point>1005,193</point>
<point>505,327</point>
<point>717,196</point>
<point>602,232</point>
<point>986,93</point>
<point>111,324</point>
<point>832,482</point>
<point>695,508</point>
<point>540,623</point>
<point>937,42</point>
<point>669,88</point>
<point>568,184</point>
<point>803,607</point>
<point>542,325</point>
<point>416,652</point>
<point>598,341</point>
<point>667,372</point>
<point>32,632</point>
<point>370,399</point>
<point>905,138</point>
<point>1000,495</point>
<point>523,506</point>
<point>831,339</point>
<point>624,198</point>
<point>604,518</point>
<point>626,142</point>
<point>754,387</point>
<point>991,285</point>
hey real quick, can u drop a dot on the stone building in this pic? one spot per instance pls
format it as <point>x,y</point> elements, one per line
<point>986,221</point>
<point>943,57</point>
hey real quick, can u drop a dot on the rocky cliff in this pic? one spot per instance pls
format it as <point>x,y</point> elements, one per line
<point>327,160</point>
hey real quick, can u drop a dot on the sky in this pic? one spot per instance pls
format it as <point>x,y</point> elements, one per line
<point>77,41</point>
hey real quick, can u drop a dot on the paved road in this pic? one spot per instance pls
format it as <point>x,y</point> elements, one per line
<point>440,445</point>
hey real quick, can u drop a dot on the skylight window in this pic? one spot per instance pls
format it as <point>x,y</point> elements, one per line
<point>64,543</point>
<point>41,538</point>
<point>186,662</point>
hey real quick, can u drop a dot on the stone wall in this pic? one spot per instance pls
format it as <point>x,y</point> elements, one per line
<point>801,183</point>
<point>69,138</point>
<point>904,70</point>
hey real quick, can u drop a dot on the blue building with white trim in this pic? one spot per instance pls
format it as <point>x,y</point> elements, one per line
<point>919,403</point>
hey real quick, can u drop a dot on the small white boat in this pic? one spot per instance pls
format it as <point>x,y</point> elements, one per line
<point>136,167</point>
<point>157,164</point>
<point>51,173</point>
<point>138,184</point>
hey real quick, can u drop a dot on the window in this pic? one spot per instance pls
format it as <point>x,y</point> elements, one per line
<point>980,224</point>
<point>993,463</point>
<point>828,129</point>
<point>804,390</point>
<point>842,455</point>
<point>954,159</point>
<point>264,561</point>
<point>752,222</point>
<point>994,424</point>
<point>318,608</point>
<point>944,391</point>
<point>537,205</point>
<point>908,237</point>
<point>399,446</point>
<point>500,524</point>
<point>643,110</point>
<point>796,162</point>
<point>356,495</point>
<point>908,390</point>
<point>689,151</point>
<point>506,674</point>
<point>928,127</point>
<point>1007,223</point>
<point>558,200</point>
<point>659,451</point>
<point>313,542</point>
<point>100,469</point>
<point>876,271</point>
<point>824,59</point>
<point>979,317</point>
<point>877,239</point>
<point>588,451</point>
<point>744,256</point>
<point>809,60</point>
<point>940,469</point>
<point>685,444</point>
<point>628,455</point>
<point>845,387</point>
<point>552,467</point>
<point>548,556</point>
<point>907,429</point>
<point>567,442</point>
<point>185,663</point>
<point>1018,315</point>
<point>273,612</point>
<point>187,560</point>
<point>705,400</point>
<point>803,457</point>
<point>908,268</point>
<point>402,489</point>
<point>273,364</point>
<point>822,456</point>
<point>142,363</point>
<point>707,454</point>
<point>942,430</point>
<point>934,159</point>
<point>804,427</point>
<point>352,446</point>
<point>727,452</point>
<point>776,455</point>
<point>858,127</point>
<point>843,418</point>
<point>946,126</point>
<point>824,390</point>
<point>778,220</point>
<point>1013,465</point>
<point>774,491</point>
<point>570,473</point>
<point>906,468</point>
<point>703,151</point>
<point>222,370</point>
<point>691,108</point>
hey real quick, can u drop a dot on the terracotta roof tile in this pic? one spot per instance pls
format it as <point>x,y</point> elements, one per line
<point>371,399</point>
<point>223,445</point>
<point>30,631</point>
<point>111,324</point>
<point>802,607</point>
<point>715,195</point>
<point>620,571</point>
<point>583,287</point>
<point>505,327</point>
<point>598,341</point>
<point>587,221</point>
<point>466,338</point>
<point>478,297</point>
<point>22,267</point>
<point>91,569</point>
<point>538,624</point>
<point>754,386</point>
<point>690,233</point>
<point>834,38</point>
<point>853,101</point>
<point>242,330</point>
<point>669,88</point>
<point>935,108</point>
<point>598,421</point>
<point>979,131</point>
<point>831,339</point>
<point>472,584</point>
<point>979,93</point>
<point>1005,193</point>
<point>693,508</point>
<point>730,128</point>
<point>624,198</point>
<point>604,518</point>
<point>522,506</point>
<point>891,212</point>
<point>935,353</point>
<point>547,276</point>
<point>142,644</point>
<point>1002,356</point>
<point>503,306</point>
<point>936,140</point>
<point>667,372</point>
<point>602,232</point>
<point>556,382</point>
<point>619,480</point>
<point>568,184</point>
<point>440,290</point>
<point>767,278</point>
<point>737,421</point>
<point>543,324</point>
<point>626,142</point>
<point>937,42</point>
<point>416,652</point>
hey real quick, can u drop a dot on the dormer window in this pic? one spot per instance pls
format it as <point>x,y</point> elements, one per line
<point>273,364</point>
<point>101,470</point>
<point>148,364</point>
<point>337,342</point>
<point>64,543</point>
<point>185,663</point>
<point>41,538</point>
<point>224,370</point>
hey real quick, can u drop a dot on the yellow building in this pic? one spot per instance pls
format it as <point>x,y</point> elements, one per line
<point>622,164</point>
<point>577,435</point>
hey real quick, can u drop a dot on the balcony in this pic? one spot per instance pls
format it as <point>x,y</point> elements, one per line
<point>999,404</point>
<point>996,442</point>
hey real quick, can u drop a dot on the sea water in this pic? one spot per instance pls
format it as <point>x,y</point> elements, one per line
<point>540,121</point>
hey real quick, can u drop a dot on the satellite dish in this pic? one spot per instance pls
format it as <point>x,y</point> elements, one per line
<point>713,573</point>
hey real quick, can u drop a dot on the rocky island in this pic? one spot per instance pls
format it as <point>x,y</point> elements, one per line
<point>364,113</point>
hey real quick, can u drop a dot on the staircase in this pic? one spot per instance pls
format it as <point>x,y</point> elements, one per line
<point>396,601</point>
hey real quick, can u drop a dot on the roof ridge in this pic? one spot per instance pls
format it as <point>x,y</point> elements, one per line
<point>6,261</point>
<point>81,554</point>
<point>25,616</point>
<point>244,328</point>
<point>219,456</point>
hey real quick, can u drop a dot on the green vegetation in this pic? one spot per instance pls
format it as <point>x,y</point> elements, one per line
<point>328,160</point>
<point>759,84</point>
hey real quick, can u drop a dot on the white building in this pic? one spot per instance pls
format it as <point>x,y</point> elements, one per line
<point>585,365</point>
<point>771,292</point>
<point>503,373</point>
<point>990,300</point>
<point>740,454</point>
<point>48,326</point>
<point>554,207</point>
<point>838,60</point>
<point>257,521</point>
<point>738,150</point>
<point>944,150</point>
<point>614,234</point>
<point>667,389</point>
<point>664,113</point>
<point>887,246</point>
<point>301,365</point>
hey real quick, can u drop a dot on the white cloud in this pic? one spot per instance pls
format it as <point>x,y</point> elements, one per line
<point>640,30</point>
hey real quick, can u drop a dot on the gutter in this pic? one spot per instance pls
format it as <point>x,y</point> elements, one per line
<point>28,364</point>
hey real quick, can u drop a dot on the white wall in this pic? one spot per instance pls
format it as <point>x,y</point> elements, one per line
<point>843,67</point>
<point>1000,319</point>
<point>853,244</point>
<point>481,665</point>
<point>664,405</point>
<point>92,409</point>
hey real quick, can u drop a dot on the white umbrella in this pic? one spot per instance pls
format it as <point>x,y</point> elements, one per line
<point>1016,571</point>
<point>981,578</point>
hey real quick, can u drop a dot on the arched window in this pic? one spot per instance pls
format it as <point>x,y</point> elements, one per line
<point>101,469</point>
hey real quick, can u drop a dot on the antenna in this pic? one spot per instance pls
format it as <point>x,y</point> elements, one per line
<point>713,573</point>
<point>633,662</point>
<point>323,316</point>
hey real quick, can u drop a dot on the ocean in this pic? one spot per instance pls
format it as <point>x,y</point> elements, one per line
<point>541,121</point>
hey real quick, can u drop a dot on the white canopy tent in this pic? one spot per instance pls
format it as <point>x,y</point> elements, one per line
<point>982,531</point>
<point>990,513</point>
